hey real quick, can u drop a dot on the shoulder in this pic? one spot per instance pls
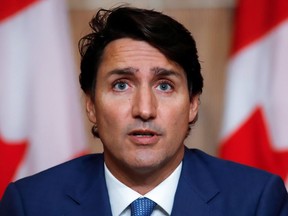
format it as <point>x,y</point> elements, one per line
<point>235,181</point>
<point>228,176</point>
<point>236,185</point>
<point>45,192</point>
<point>221,168</point>
<point>62,174</point>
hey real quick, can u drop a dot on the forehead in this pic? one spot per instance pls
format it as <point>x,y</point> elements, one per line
<point>140,55</point>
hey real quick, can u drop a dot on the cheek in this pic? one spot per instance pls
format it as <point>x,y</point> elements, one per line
<point>111,113</point>
<point>176,109</point>
<point>181,121</point>
<point>176,118</point>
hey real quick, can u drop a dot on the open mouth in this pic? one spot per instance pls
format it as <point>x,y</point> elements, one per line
<point>144,137</point>
<point>143,134</point>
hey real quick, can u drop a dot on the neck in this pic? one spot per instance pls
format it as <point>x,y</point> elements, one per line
<point>143,181</point>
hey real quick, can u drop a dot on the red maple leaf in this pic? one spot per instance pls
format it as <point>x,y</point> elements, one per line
<point>252,145</point>
<point>11,155</point>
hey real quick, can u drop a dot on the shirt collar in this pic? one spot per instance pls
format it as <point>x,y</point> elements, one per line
<point>121,196</point>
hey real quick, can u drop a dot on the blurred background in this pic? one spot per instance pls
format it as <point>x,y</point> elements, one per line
<point>243,51</point>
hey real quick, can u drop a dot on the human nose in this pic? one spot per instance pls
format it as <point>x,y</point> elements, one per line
<point>144,104</point>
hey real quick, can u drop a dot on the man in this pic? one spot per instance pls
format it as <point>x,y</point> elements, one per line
<point>141,75</point>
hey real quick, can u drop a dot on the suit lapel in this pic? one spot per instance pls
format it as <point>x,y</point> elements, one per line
<point>196,187</point>
<point>89,196</point>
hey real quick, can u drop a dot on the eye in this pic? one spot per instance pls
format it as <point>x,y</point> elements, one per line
<point>120,86</point>
<point>165,86</point>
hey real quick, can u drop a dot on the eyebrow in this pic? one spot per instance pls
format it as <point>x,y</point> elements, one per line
<point>123,71</point>
<point>158,71</point>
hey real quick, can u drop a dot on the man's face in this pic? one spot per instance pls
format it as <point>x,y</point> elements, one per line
<point>142,109</point>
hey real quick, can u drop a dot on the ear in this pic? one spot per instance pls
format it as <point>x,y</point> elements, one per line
<point>194,105</point>
<point>90,110</point>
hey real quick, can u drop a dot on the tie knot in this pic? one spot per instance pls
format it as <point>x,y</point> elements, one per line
<point>142,207</point>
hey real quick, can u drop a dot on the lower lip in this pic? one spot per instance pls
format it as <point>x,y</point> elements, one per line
<point>144,140</point>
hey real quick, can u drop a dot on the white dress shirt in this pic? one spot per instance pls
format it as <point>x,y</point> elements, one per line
<point>122,196</point>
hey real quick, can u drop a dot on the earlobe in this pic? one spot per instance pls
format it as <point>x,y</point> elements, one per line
<point>90,110</point>
<point>194,105</point>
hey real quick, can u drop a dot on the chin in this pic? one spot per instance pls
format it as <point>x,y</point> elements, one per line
<point>147,164</point>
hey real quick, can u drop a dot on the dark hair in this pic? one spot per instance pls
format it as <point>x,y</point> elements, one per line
<point>164,33</point>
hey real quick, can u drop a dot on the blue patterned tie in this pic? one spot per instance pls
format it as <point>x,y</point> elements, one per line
<point>142,207</point>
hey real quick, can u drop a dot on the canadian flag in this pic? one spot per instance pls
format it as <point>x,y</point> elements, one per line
<point>255,125</point>
<point>40,112</point>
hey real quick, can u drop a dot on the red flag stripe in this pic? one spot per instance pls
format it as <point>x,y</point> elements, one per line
<point>11,7</point>
<point>33,149</point>
<point>252,21</point>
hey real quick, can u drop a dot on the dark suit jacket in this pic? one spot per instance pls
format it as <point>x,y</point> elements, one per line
<point>207,186</point>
